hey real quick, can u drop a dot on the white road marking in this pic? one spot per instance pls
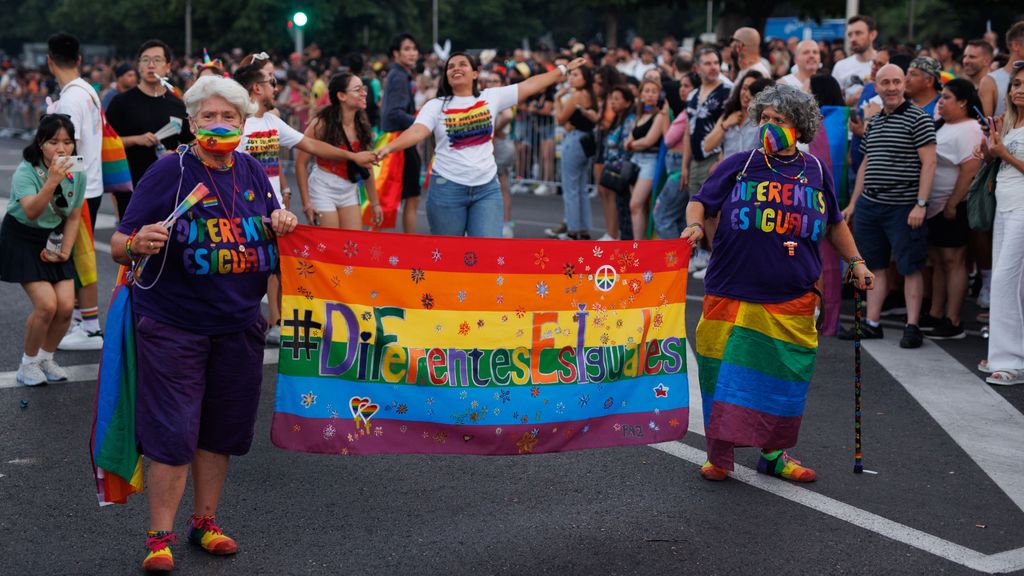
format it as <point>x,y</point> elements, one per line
<point>88,372</point>
<point>988,428</point>
<point>1008,561</point>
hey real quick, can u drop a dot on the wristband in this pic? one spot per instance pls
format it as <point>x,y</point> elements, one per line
<point>128,244</point>
<point>696,225</point>
<point>854,260</point>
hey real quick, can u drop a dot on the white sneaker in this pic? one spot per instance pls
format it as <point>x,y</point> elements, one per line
<point>555,232</point>
<point>274,335</point>
<point>984,297</point>
<point>508,230</point>
<point>519,188</point>
<point>606,238</point>
<point>699,274</point>
<point>80,339</point>
<point>543,190</point>
<point>53,371</point>
<point>700,259</point>
<point>31,374</point>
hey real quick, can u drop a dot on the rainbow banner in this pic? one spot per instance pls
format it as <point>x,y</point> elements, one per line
<point>393,343</point>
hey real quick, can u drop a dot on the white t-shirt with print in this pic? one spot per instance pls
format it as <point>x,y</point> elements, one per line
<point>954,143</point>
<point>850,66</point>
<point>79,101</point>
<point>263,138</point>
<point>1010,180</point>
<point>463,127</point>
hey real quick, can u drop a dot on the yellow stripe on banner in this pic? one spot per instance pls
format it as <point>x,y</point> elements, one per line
<point>477,291</point>
<point>798,330</point>
<point>711,337</point>
<point>490,329</point>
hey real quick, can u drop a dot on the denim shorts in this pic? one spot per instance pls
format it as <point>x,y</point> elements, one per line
<point>647,161</point>
<point>882,233</point>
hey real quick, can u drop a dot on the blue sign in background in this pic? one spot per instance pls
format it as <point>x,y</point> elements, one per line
<point>786,28</point>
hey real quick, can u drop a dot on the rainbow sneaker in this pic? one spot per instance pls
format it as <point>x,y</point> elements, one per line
<point>159,558</point>
<point>205,533</point>
<point>714,473</point>
<point>781,465</point>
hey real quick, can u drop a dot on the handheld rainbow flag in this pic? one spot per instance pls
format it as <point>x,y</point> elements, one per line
<point>388,178</point>
<point>84,251</point>
<point>197,195</point>
<point>436,344</point>
<point>117,464</point>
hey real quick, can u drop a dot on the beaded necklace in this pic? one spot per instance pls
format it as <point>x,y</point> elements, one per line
<point>234,194</point>
<point>800,176</point>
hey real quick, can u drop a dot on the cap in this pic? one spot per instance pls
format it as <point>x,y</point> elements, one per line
<point>928,65</point>
<point>123,69</point>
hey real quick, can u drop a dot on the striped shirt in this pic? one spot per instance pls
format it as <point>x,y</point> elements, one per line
<point>890,143</point>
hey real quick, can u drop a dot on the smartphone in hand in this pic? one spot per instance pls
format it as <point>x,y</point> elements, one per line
<point>77,163</point>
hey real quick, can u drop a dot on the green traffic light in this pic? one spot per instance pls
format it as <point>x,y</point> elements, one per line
<point>300,19</point>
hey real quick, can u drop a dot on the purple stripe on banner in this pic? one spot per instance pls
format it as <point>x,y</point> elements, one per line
<point>351,437</point>
<point>744,426</point>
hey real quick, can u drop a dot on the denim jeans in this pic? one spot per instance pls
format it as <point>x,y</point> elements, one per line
<point>575,166</point>
<point>670,208</point>
<point>455,209</point>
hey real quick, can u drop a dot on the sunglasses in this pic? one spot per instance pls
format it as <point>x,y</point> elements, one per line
<point>272,82</point>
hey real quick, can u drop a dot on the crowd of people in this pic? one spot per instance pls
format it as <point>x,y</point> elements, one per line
<point>723,145</point>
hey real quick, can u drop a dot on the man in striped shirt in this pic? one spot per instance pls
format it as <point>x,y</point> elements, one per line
<point>890,198</point>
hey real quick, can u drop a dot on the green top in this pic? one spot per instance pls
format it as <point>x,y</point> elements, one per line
<point>28,180</point>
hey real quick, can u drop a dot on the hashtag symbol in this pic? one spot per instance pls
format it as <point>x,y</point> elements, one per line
<point>300,342</point>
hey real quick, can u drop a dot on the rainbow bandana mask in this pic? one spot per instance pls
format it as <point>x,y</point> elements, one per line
<point>219,138</point>
<point>775,138</point>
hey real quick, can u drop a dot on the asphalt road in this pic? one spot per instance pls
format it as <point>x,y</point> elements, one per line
<point>931,507</point>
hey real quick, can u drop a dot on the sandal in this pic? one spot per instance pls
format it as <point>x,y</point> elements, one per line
<point>1006,377</point>
<point>983,367</point>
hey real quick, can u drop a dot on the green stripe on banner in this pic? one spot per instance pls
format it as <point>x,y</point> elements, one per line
<point>777,358</point>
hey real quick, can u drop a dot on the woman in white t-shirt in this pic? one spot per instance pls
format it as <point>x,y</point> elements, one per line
<point>464,196</point>
<point>1006,333</point>
<point>330,194</point>
<point>957,134</point>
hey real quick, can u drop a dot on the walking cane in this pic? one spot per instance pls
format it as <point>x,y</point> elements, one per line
<point>858,466</point>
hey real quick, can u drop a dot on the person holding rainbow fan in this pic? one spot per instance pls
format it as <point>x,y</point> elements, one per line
<point>757,340</point>
<point>198,325</point>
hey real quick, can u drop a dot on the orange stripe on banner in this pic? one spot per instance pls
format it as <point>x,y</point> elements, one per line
<point>405,288</point>
<point>802,306</point>
<point>720,308</point>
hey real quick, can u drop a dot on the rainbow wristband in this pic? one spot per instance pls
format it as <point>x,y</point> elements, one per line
<point>854,260</point>
<point>128,244</point>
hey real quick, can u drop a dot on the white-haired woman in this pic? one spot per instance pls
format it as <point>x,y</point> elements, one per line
<point>199,329</point>
<point>757,341</point>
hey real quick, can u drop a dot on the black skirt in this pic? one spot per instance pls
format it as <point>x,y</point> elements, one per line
<point>20,263</point>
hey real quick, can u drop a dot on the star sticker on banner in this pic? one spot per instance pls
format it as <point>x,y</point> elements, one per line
<point>308,399</point>
<point>435,255</point>
<point>674,422</point>
<point>660,391</point>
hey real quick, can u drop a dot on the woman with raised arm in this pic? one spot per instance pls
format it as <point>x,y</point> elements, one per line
<point>465,197</point>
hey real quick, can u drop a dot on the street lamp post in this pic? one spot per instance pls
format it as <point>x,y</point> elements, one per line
<point>188,27</point>
<point>299,19</point>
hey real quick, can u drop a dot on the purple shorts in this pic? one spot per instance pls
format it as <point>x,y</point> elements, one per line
<point>196,391</point>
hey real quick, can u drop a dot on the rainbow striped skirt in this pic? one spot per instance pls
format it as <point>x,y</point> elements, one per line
<point>755,365</point>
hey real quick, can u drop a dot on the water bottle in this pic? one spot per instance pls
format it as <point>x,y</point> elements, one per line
<point>54,242</point>
<point>160,150</point>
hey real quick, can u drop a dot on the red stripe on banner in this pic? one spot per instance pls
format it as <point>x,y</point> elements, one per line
<point>744,426</point>
<point>484,255</point>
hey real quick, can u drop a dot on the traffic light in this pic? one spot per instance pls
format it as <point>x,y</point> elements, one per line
<point>300,19</point>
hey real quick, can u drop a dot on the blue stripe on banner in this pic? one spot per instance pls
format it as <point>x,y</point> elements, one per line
<point>752,389</point>
<point>311,397</point>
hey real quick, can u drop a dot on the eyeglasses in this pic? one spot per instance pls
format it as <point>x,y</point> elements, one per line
<point>271,81</point>
<point>154,60</point>
<point>358,89</point>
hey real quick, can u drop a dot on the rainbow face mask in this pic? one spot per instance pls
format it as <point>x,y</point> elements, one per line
<point>776,138</point>
<point>218,138</point>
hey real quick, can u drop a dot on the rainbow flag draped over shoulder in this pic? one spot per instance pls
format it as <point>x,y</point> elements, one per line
<point>755,365</point>
<point>117,464</point>
<point>394,343</point>
<point>835,127</point>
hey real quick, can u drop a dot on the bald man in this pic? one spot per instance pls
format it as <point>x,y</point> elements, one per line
<point>746,52</point>
<point>890,199</point>
<point>808,60</point>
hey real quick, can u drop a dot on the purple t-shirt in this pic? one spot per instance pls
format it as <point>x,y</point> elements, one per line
<point>220,252</point>
<point>764,216</point>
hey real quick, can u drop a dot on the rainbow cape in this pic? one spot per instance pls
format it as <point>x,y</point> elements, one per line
<point>117,464</point>
<point>755,365</point>
<point>394,343</point>
<point>84,252</point>
<point>388,177</point>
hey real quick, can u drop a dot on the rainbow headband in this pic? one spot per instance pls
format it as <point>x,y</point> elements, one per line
<point>208,63</point>
<point>775,137</point>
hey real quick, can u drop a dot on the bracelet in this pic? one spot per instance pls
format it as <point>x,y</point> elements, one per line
<point>854,260</point>
<point>128,245</point>
<point>696,225</point>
